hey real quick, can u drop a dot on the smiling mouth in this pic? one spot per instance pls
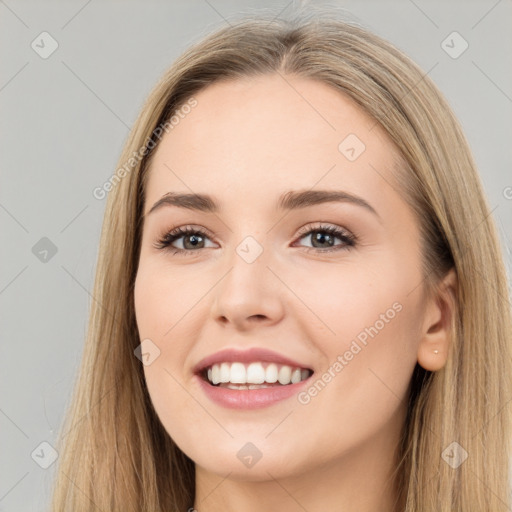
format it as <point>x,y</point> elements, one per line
<point>256,375</point>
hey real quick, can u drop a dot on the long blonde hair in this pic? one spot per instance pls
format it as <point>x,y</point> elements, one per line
<point>114,452</point>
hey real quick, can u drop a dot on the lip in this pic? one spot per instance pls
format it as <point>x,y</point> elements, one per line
<point>248,398</point>
<point>255,354</point>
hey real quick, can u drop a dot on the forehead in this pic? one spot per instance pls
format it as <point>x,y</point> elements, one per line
<point>248,138</point>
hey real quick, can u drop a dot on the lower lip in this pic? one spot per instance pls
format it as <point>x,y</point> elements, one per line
<point>249,398</point>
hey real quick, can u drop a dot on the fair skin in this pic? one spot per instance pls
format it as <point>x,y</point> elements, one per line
<point>246,143</point>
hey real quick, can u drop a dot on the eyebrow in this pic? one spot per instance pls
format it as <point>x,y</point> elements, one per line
<point>292,200</point>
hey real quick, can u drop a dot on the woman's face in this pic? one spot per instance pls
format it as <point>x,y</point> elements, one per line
<point>330,287</point>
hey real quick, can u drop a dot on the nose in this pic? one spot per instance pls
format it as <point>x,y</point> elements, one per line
<point>249,295</point>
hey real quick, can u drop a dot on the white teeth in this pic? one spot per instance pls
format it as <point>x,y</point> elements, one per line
<point>238,374</point>
<point>247,386</point>
<point>225,372</point>
<point>295,376</point>
<point>285,375</point>
<point>271,373</point>
<point>255,375</point>
<point>215,374</point>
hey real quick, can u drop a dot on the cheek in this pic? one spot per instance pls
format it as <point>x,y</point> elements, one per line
<point>365,321</point>
<point>163,310</point>
<point>164,299</point>
<point>163,303</point>
<point>344,301</point>
<point>184,421</point>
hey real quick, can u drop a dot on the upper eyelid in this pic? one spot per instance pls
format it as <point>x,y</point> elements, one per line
<point>181,231</point>
<point>319,225</point>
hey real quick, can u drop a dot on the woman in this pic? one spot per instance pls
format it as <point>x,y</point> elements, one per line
<point>233,360</point>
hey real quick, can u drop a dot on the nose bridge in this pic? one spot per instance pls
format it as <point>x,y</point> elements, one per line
<point>249,289</point>
<point>248,263</point>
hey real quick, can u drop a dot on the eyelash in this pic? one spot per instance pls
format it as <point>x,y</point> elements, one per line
<point>164,243</point>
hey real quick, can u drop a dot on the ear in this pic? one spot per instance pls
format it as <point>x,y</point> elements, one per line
<point>436,329</point>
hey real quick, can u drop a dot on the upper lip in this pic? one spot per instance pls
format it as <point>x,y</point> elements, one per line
<point>246,356</point>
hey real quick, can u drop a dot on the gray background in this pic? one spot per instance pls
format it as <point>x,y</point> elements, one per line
<point>65,119</point>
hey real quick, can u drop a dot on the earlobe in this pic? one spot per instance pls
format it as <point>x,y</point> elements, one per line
<point>434,345</point>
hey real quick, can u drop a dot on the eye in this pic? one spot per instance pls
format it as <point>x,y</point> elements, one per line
<point>323,238</point>
<point>193,238</point>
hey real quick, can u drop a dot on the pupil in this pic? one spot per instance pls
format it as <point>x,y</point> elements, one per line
<point>320,238</point>
<point>194,238</point>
